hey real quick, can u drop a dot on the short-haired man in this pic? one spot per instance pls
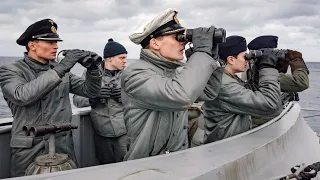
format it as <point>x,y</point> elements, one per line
<point>37,89</point>
<point>155,95</point>
<point>107,109</point>
<point>297,81</point>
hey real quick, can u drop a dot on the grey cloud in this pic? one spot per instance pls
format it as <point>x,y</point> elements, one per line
<point>89,23</point>
<point>8,6</point>
<point>295,10</point>
<point>12,6</point>
<point>89,13</point>
<point>309,2</point>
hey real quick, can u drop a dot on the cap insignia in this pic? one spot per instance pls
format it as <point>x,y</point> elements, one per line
<point>176,19</point>
<point>53,29</point>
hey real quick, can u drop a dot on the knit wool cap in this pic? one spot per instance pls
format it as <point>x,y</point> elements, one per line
<point>113,48</point>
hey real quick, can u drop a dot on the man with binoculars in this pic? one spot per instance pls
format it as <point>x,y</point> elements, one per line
<point>292,83</point>
<point>155,95</point>
<point>37,89</point>
<point>298,80</point>
<point>107,109</point>
<point>230,113</point>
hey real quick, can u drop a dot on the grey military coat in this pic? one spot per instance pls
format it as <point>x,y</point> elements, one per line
<point>156,99</point>
<point>107,118</point>
<point>37,95</point>
<point>230,113</point>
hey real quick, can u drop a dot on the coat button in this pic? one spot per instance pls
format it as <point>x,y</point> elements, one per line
<point>61,96</point>
<point>185,127</point>
<point>45,111</point>
<point>175,133</point>
<point>62,109</point>
<point>44,98</point>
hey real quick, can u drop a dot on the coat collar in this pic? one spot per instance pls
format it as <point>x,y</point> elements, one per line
<point>159,61</point>
<point>38,66</point>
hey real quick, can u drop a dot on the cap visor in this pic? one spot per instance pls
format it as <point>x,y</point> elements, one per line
<point>50,39</point>
<point>174,31</point>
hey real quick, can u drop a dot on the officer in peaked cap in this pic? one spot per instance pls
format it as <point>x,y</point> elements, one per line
<point>37,89</point>
<point>155,95</point>
<point>45,29</point>
<point>165,24</point>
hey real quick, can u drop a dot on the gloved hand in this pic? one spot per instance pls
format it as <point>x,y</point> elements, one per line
<point>292,54</point>
<point>93,68</point>
<point>282,65</point>
<point>295,60</point>
<point>268,60</point>
<point>105,92</point>
<point>202,39</point>
<point>70,59</point>
<point>116,92</point>
<point>97,61</point>
<point>307,173</point>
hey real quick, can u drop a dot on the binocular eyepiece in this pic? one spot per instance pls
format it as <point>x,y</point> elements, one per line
<point>92,58</point>
<point>219,36</point>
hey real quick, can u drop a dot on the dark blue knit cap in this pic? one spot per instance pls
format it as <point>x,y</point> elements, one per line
<point>113,48</point>
<point>267,41</point>
<point>233,46</point>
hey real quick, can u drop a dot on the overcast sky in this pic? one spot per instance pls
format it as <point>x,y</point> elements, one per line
<point>88,24</point>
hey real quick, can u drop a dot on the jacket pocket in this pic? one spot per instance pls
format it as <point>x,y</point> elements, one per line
<point>102,124</point>
<point>21,141</point>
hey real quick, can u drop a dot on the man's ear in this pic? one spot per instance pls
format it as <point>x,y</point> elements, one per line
<point>154,44</point>
<point>31,45</point>
<point>230,60</point>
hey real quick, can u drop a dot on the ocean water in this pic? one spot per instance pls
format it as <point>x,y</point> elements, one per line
<point>309,99</point>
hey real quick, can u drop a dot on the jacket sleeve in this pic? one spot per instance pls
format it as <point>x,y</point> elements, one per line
<point>80,101</point>
<point>149,89</point>
<point>213,86</point>
<point>237,99</point>
<point>87,86</point>
<point>21,92</point>
<point>297,82</point>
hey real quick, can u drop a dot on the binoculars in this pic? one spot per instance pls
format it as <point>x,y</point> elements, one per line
<point>219,36</point>
<point>257,54</point>
<point>41,130</point>
<point>87,61</point>
<point>253,54</point>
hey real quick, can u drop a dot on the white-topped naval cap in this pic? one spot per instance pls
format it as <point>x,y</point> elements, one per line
<point>164,24</point>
